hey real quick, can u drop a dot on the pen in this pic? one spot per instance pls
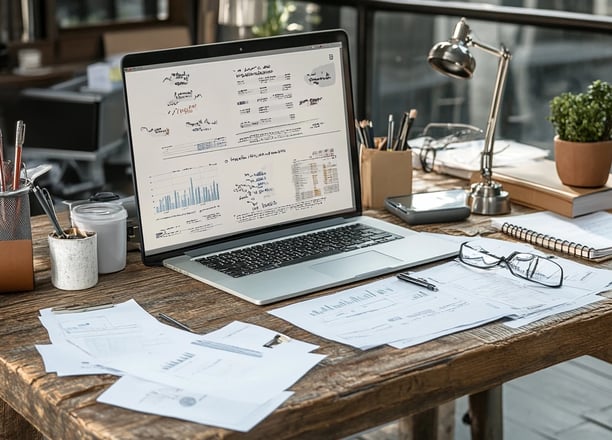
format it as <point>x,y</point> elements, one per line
<point>277,339</point>
<point>19,138</point>
<point>390,130</point>
<point>370,131</point>
<point>2,181</point>
<point>401,134</point>
<point>411,117</point>
<point>418,281</point>
<point>228,347</point>
<point>365,133</point>
<point>359,133</point>
<point>175,322</point>
<point>44,204</point>
<point>81,308</point>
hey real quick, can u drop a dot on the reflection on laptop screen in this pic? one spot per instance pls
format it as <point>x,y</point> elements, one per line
<point>232,144</point>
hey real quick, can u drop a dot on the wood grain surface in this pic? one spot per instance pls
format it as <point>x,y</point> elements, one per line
<point>349,391</point>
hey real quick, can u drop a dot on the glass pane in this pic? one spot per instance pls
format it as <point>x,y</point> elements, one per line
<point>283,17</point>
<point>595,7</point>
<point>78,13</point>
<point>545,62</point>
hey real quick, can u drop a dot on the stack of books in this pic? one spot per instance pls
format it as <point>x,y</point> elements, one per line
<point>537,185</point>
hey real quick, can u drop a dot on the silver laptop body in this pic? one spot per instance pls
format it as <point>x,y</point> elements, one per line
<point>241,143</point>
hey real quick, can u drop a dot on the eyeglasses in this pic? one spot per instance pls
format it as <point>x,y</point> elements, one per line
<point>524,265</point>
<point>431,144</point>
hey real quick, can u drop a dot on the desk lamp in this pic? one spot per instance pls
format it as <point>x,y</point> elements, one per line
<point>453,58</point>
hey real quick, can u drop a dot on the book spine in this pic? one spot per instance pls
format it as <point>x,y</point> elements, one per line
<point>548,242</point>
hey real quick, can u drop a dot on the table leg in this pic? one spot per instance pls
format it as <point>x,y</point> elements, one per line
<point>423,425</point>
<point>486,418</point>
<point>433,424</point>
<point>14,426</point>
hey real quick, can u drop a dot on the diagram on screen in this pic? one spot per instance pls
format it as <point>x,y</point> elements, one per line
<point>180,190</point>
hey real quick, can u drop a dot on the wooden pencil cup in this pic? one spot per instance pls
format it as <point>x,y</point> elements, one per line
<point>384,173</point>
<point>17,265</point>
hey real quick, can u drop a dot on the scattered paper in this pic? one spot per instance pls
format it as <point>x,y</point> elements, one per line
<point>390,311</point>
<point>232,377</point>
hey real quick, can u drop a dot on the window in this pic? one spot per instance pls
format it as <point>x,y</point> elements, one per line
<point>78,13</point>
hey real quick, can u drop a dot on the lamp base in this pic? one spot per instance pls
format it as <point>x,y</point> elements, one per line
<point>489,198</point>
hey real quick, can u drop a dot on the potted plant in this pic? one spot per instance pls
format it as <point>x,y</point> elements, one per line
<point>583,141</point>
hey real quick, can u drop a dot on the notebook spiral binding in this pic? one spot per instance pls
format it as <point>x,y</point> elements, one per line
<point>547,241</point>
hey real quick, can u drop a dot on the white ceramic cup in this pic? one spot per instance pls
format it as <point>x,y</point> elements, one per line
<point>109,221</point>
<point>29,58</point>
<point>74,261</point>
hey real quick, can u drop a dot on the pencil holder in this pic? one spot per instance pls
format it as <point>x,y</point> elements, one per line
<point>74,260</point>
<point>17,266</point>
<point>384,173</point>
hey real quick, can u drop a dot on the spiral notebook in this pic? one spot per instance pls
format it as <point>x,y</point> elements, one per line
<point>588,237</point>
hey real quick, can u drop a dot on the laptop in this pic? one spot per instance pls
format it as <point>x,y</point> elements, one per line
<point>245,143</point>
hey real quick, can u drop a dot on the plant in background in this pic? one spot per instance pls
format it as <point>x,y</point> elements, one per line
<point>278,14</point>
<point>583,117</point>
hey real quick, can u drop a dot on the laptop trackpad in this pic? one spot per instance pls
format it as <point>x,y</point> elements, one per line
<point>355,264</point>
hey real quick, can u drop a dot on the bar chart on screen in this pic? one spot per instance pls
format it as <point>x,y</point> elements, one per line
<point>182,189</point>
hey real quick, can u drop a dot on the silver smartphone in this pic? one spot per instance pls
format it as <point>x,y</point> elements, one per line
<point>430,207</point>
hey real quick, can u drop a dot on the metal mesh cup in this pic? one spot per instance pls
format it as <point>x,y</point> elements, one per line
<point>16,270</point>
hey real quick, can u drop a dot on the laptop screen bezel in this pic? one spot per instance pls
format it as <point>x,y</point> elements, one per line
<point>241,47</point>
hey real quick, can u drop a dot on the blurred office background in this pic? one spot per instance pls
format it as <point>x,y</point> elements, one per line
<point>556,46</point>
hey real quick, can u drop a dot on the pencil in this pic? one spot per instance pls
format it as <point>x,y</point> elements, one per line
<point>2,181</point>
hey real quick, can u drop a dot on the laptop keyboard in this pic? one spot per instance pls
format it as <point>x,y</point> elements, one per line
<point>272,255</point>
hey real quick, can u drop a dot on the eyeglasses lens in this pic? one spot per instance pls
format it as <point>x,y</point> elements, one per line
<point>478,257</point>
<point>538,269</point>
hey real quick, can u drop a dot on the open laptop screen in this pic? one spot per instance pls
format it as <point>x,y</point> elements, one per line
<point>241,137</point>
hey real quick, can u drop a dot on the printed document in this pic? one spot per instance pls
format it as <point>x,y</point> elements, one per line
<point>390,311</point>
<point>172,372</point>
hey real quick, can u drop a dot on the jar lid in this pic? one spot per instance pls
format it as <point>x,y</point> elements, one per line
<point>100,212</point>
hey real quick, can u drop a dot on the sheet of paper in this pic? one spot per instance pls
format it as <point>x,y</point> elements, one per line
<point>566,307</point>
<point>67,360</point>
<point>108,332</point>
<point>238,374</point>
<point>258,338</point>
<point>525,297</point>
<point>221,373</point>
<point>387,310</point>
<point>392,312</point>
<point>150,397</point>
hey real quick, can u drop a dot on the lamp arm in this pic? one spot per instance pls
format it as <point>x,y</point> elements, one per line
<point>486,160</point>
<point>485,47</point>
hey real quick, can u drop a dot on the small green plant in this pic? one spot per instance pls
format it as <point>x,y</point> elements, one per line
<point>583,117</point>
<point>278,14</point>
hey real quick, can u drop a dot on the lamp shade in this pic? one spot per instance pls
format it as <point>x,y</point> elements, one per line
<point>453,59</point>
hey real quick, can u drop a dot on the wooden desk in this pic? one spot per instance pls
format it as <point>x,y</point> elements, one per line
<point>348,392</point>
